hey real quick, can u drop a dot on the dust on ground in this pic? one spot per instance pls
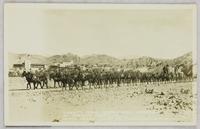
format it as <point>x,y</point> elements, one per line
<point>172,102</point>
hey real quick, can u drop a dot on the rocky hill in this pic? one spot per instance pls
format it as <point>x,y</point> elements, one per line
<point>63,58</point>
<point>184,59</point>
<point>99,59</point>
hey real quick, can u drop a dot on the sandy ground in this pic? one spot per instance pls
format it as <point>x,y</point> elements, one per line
<point>172,102</point>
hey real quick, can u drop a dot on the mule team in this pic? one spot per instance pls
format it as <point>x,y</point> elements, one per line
<point>99,76</point>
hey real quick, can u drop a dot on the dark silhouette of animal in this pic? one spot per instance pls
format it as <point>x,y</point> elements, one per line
<point>56,77</point>
<point>31,79</point>
<point>43,77</point>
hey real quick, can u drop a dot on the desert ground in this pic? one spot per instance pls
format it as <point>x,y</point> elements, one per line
<point>170,102</point>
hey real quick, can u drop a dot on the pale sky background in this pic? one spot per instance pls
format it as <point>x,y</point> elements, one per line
<point>160,33</point>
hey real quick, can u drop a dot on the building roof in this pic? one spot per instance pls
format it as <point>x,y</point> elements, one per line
<point>18,65</point>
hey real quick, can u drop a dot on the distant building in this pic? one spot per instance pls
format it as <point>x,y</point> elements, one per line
<point>65,64</point>
<point>35,67</point>
<point>18,66</point>
<point>27,64</point>
<point>17,69</point>
<point>53,67</point>
<point>56,66</point>
<point>27,61</point>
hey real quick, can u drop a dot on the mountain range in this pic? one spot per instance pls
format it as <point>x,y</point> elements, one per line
<point>98,59</point>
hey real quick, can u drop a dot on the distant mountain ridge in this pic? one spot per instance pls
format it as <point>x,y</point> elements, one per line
<point>98,59</point>
<point>184,58</point>
<point>63,58</point>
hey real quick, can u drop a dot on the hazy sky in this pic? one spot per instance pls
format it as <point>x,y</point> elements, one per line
<point>120,32</point>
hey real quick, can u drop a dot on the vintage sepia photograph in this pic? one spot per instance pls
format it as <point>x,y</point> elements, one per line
<point>100,64</point>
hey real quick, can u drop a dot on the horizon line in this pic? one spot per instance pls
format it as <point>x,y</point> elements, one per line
<point>82,56</point>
